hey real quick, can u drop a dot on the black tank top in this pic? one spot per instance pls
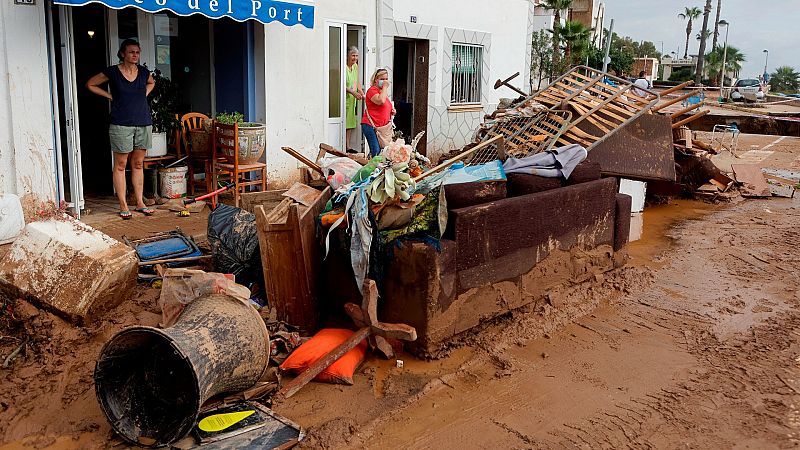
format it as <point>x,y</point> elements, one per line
<point>129,106</point>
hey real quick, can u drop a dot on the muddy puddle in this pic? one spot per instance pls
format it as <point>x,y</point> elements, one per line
<point>657,235</point>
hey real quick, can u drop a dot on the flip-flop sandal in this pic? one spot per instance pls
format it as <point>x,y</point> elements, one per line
<point>125,215</point>
<point>146,211</point>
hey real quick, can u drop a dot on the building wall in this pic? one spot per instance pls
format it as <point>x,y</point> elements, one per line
<point>504,32</point>
<point>296,107</point>
<point>26,131</point>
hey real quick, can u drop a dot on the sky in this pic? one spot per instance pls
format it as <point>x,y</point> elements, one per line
<point>755,25</point>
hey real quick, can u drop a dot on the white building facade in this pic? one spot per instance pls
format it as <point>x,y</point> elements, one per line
<point>443,56</point>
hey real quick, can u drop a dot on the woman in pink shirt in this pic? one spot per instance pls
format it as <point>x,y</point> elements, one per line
<point>378,108</point>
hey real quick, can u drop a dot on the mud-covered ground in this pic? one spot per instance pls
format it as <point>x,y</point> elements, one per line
<point>694,344</point>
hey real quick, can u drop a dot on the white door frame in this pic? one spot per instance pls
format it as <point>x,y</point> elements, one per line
<point>362,76</point>
<point>70,91</point>
<point>333,137</point>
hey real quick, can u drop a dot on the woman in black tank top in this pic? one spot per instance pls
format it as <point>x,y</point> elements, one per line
<point>130,129</point>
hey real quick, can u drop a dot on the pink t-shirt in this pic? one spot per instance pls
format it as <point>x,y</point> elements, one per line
<point>381,114</point>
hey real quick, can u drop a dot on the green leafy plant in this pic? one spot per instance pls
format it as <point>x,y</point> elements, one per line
<point>227,118</point>
<point>164,103</point>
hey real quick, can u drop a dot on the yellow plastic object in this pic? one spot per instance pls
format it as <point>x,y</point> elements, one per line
<point>219,422</point>
<point>183,213</point>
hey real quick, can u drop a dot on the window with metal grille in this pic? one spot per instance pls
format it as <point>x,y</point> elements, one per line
<point>466,83</point>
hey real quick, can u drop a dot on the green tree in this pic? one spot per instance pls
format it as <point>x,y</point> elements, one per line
<point>689,14</point>
<point>733,62</point>
<point>575,37</point>
<point>556,6</point>
<point>785,79</point>
<point>647,49</point>
<point>541,58</point>
<point>621,53</point>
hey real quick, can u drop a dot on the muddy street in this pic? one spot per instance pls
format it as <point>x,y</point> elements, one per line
<point>693,345</point>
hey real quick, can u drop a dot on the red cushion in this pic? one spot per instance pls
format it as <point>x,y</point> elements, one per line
<point>321,344</point>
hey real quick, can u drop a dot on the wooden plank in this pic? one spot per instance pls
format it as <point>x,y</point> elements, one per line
<point>676,88</point>
<point>268,199</point>
<point>690,119</point>
<point>658,108</point>
<point>280,211</point>
<point>305,195</point>
<point>297,155</point>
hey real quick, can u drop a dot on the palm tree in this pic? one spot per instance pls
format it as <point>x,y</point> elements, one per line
<point>574,35</point>
<point>785,79</point>
<point>733,62</point>
<point>556,6</point>
<point>689,14</point>
<point>698,36</point>
<point>716,24</point>
<point>701,54</point>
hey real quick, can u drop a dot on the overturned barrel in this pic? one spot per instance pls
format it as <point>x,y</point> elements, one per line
<point>152,382</point>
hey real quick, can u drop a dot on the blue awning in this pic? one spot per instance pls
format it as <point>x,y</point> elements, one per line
<point>265,11</point>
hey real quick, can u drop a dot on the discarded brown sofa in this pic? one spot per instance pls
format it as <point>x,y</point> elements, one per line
<point>526,237</point>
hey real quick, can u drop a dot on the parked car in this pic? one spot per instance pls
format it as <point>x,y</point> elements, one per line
<point>748,89</point>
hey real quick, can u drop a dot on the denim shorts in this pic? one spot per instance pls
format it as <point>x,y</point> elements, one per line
<point>126,139</point>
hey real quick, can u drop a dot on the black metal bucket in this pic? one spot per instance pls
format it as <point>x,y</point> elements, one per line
<point>152,382</point>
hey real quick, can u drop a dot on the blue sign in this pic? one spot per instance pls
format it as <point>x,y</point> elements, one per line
<point>264,11</point>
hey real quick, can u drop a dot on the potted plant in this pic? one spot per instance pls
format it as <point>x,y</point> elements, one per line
<point>252,137</point>
<point>163,107</point>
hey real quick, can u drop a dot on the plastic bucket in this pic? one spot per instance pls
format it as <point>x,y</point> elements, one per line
<point>152,382</point>
<point>159,147</point>
<point>173,181</point>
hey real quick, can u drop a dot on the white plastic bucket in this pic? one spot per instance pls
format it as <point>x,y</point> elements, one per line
<point>159,145</point>
<point>173,181</point>
<point>12,221</point>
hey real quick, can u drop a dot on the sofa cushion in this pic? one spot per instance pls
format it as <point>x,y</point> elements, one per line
<point>463,195</point>
<point>497,229</point>
<point>525,183</point>
<point>583,172</point>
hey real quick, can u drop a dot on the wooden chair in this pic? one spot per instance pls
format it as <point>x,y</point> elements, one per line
<point>189,122</point>
<point>225,140</point>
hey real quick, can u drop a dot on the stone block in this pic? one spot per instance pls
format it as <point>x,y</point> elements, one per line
<point>69,268</point>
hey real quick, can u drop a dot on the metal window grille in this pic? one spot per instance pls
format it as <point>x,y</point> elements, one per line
<point>466,73</point>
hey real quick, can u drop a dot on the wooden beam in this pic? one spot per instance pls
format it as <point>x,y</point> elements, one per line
<point>658,108</point>
<point>690,119</point>
<point>676,88</point>
<point>683,111</point>
<point>303,159</point>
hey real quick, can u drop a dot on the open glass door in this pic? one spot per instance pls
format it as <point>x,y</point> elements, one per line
<point>334,88</point>
<point>69,127</point>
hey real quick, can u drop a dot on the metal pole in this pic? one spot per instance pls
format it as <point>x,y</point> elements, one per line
<point>724,60</point>
<point>766,59</point>
<point>608,45</point>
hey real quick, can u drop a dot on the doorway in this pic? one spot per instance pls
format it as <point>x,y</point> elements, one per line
<point>410,95</point>
<point>338,38</point>
<point>84,41</point>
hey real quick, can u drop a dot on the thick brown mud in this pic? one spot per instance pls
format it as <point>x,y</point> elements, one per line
<point>693,344</point>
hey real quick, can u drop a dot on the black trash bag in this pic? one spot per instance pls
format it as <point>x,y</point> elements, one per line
<point>233,237</point>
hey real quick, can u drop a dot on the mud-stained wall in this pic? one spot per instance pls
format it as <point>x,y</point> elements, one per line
<point>26,131</point>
